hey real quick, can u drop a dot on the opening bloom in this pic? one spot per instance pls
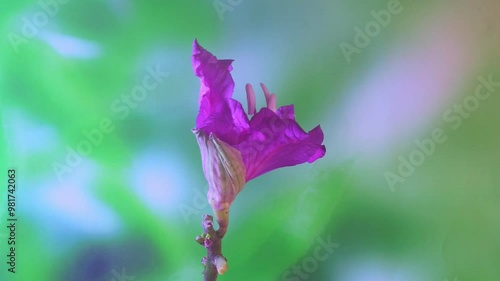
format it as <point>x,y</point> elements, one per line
<point>236,149</point>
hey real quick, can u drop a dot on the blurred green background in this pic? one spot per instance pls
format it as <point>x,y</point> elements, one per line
<point>130,208</point>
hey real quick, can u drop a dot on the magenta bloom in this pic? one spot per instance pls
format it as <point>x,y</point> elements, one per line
<point>236,149</point>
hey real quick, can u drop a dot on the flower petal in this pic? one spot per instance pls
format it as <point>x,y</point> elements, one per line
<point>228,122</point>
<point>219,113</point>
<point>216,81</point>
<point>276,140</point>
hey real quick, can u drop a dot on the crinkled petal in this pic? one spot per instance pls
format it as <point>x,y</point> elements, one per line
<point>217,85</point>
<point>276,140</point>
<point>219,113</point>
<point>228,122</point>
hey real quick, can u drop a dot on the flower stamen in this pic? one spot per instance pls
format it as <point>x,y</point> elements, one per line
<point>270,98</point>
<point>250,99</point>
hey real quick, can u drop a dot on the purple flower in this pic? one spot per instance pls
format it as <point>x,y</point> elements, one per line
<point>236,149</point>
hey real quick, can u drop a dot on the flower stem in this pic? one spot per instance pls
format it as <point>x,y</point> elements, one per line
<point>215,263</point>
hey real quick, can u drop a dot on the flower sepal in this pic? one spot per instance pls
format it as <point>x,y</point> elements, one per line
<point>225,173</point>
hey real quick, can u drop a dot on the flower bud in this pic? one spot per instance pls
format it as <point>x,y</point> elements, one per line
<point>225,173</point>
<point>221,264</point>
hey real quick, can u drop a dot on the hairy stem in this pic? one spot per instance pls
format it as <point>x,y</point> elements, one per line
<point>215,263</point>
